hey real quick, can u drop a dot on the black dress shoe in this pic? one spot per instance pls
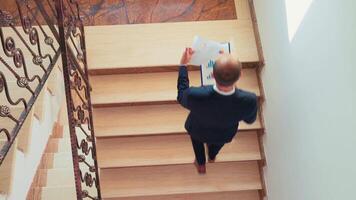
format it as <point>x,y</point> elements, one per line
<point>200,168</point>
<point>211,160</point>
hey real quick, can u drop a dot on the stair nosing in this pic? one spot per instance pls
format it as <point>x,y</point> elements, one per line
<point>190,193</point>
<point>248,187</point>
<point>141,103</point>
<point>185,158</point>
<point>165,133</point>
<point>166,194</point>
<point>154,69</point>
<point>248,84</point>
<point>134,103</point>
<point>174,164</point>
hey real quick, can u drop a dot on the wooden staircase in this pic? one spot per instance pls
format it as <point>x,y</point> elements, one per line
<point>56,166</point>
<point>144,152</point>
<point>143,149</point>
<point>25,136</point>
<point>26,150</point>
<point>55,173</point>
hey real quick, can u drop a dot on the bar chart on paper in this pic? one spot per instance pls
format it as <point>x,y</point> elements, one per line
<point>205,54</point>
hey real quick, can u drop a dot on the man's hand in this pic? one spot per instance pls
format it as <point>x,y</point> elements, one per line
<point>187,56</point>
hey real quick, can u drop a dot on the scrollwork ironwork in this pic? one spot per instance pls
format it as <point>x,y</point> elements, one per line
<point>79,103</point>
<point>4,111</point>
<point>5,18</point>
<point>2,84</point>
<point>42,31</point>
<point>20,81</point>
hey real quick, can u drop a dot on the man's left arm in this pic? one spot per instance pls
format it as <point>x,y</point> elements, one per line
<point>183,86</point>
<point>252,107</point>
<point>183,79</point>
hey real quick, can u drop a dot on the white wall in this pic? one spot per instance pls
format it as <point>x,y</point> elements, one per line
<point>310,85</point>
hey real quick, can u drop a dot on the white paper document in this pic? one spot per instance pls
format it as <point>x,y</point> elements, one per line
<point>206,52</point>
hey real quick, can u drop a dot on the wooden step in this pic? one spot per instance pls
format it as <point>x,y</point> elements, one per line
<point>179,179</point>
<point>147,88</point>
<point>7,168</point>
<point>158,150</point>
<point>51,193</point>
<point>39,108</point>
<point>65,134</point>
<point>62,160</point>
<point>56,177</point>
<point>67,192</point>
<point>242,9</point>
<point>24,136</point>
<point>162,44</point>
<point>57,160</point>
<point>240,195</point>
<point>58,131</point>
<point>53,80</point>
<point>145,120</point>
<point>61,145</point>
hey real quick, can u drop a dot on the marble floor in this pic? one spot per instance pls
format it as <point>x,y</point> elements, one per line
<point>111,12</point>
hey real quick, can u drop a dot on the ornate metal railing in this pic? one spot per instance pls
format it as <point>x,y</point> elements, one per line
<point>34,35</point>
<point>29,53</point>
<point>75,69</point>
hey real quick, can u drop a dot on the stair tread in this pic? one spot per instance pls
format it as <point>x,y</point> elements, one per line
<point>158,150</point>
<point>162,44</point>
<point>146,120</point>
<point>63,161</point>
<point>24,136</point>
<point>61,176</point>
<point>179,179</point>
<point>133,88</point>
<point>239,195</point>
<point>8,168</point>
<point>59,145</point>
<point>57,177</point>
<point>242,9</point>
<point>67,192</point>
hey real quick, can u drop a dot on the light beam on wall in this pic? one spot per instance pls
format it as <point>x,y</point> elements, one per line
<point>296,10</point>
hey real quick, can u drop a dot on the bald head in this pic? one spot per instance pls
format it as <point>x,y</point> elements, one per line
<point>227,70</point>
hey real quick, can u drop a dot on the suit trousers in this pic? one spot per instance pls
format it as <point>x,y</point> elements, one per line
<point>199,151</point>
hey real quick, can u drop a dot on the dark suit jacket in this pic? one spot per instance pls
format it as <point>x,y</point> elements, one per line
<point>214,118</point>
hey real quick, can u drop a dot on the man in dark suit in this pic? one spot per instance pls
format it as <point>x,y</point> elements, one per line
<point>215,111</point>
